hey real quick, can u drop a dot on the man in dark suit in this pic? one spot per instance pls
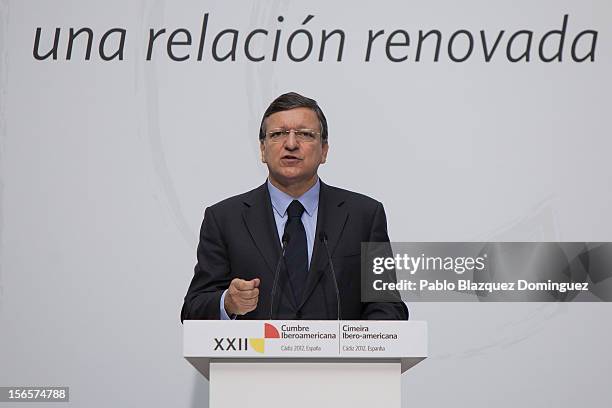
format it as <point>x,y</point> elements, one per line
<point>242,238</point>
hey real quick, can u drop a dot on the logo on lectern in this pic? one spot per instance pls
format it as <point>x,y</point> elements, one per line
<point>243,343</point>
<point>270,332</point>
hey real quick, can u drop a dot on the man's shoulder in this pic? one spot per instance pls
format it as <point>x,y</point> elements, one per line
<point>354,199</point>
<point>239,201</point>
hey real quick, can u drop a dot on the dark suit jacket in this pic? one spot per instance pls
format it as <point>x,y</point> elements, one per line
<point>239,239</point>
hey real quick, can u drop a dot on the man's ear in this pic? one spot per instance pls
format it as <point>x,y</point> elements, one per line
<point>325,148</point>
<point>262,151</point>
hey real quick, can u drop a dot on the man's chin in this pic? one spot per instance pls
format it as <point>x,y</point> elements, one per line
<point>289,179</point>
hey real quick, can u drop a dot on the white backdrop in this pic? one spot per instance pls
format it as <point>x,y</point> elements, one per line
<point>106,168</point>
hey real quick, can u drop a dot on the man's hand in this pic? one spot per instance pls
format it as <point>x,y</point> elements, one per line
<point>241,296</point>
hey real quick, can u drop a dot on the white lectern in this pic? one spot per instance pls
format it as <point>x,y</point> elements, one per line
<point>298,363</point>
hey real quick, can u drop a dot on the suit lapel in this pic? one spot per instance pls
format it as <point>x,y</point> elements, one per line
<point>260,223</point>
<point>331,218</point>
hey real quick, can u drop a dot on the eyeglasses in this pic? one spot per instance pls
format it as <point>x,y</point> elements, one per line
<point>302,135</point>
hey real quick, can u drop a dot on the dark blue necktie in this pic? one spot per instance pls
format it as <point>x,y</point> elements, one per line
<point>296,254</point>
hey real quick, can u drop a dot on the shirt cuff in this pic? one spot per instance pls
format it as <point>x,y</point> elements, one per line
<point>222,313</point>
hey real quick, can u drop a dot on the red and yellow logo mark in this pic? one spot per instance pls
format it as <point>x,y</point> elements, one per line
<point>258,343</point>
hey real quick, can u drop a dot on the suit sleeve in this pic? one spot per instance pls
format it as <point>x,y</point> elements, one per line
<point>382,310</point>
<point>211,273</point>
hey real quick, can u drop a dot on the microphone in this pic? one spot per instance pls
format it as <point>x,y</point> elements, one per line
<point>285,241</point>
<point>323,239</point>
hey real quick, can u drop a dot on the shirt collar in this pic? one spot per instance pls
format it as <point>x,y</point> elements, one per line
<point>281,200</point>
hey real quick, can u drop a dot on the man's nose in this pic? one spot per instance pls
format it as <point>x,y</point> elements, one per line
<point>291,143</point>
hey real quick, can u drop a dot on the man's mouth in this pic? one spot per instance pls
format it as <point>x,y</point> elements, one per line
<point>290,158</point>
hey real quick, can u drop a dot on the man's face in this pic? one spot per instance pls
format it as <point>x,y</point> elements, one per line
<point>292,161</point>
